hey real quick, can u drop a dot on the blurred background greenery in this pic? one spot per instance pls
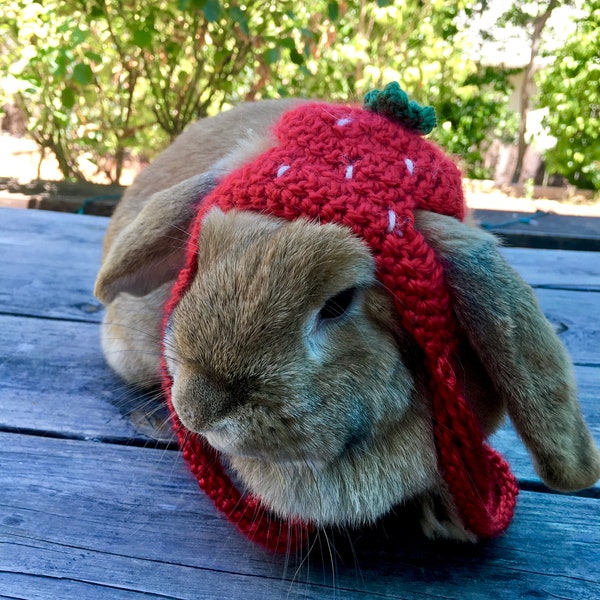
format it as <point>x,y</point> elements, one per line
<point>101,82</point>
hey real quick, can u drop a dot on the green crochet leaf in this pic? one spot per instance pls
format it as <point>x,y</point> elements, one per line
<point>393,103</point>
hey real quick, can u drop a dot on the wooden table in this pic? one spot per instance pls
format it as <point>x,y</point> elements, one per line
<point>93,505</point>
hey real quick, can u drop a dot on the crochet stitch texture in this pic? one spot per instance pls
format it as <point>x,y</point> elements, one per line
<point>350,166</point>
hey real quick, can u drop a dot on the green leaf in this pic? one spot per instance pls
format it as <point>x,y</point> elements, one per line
<point>61,64</point>
<point>64,26</point>
<point>78,36</point>
<point>296,57</point>
<point>82,73</point>
<point>212,10</point>
<point>172,49</point>
<point>93,57</point>
<point>288,43</point>
<point>333,11</point>
<point>183,5</point>
<point>311,35</point>
<point>221,56</point>
<point>67,98</point>
<point>271,56</point>
<point>61,118</point>
<point>60,70</point>
<point>142,38</point>
<point>96,12</point>
<point>239,16</point>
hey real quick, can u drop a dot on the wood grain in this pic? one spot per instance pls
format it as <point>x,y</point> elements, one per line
<point>66,249</point>
<point>55,380</point>
<point>131,519</point>
<point>556,268</point>
<point>96,503</point>
<point>48,263</point>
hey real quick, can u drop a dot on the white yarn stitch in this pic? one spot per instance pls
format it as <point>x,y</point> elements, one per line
<point>410,165</point>
<point>282,169</point>
<point>392,221</point>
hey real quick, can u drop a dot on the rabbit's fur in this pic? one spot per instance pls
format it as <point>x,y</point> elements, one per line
<point>330,423</point>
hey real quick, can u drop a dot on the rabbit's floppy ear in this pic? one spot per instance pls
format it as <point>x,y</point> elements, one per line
<point>150,250</point>
<point>527,363</point>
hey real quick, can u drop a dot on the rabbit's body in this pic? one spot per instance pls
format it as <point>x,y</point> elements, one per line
<point>287,354</point>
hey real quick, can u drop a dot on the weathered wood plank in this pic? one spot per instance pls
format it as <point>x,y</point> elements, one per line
<point>546,230</point>
<point>48,263</point>
<point>128,518</point>
<point>46,571</point>
<point>576,317</point>
<point>55,381</point>
<point>87,520</point>
<point>556,268</point>
<point>15,586</point>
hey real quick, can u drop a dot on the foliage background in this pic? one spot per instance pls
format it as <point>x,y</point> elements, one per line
<point>100,80</point>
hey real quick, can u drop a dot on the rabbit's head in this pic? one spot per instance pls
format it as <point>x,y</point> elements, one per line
<point>345,341</point>
<point>284,354</point>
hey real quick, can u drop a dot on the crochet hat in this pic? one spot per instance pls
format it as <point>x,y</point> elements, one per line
<point>367,169</point>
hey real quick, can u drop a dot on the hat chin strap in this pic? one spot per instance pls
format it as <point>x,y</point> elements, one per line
<point>478,478</point>
<point>245,512</point>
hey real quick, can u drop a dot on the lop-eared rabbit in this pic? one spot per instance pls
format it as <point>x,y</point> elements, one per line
<point>341,360</point>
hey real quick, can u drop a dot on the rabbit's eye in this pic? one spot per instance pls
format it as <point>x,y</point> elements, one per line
<point>337,306</point>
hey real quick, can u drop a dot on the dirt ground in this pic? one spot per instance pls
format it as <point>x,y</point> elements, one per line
<point>499,200</point>
<point>20,161</point>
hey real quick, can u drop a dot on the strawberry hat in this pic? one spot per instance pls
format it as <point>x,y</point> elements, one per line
<point>367,169</point>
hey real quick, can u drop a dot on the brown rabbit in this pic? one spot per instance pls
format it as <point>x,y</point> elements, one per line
<point>290,352</point>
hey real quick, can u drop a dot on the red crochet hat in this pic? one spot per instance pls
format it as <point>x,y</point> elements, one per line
<point>367,169</point>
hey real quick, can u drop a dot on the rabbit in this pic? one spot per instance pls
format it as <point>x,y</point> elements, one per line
<point>286,353</point>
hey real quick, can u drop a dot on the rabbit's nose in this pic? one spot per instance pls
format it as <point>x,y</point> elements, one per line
<point>202,400</point>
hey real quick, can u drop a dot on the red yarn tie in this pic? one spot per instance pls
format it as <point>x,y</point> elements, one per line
<point>478,478</point>
<point>245,512</point>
